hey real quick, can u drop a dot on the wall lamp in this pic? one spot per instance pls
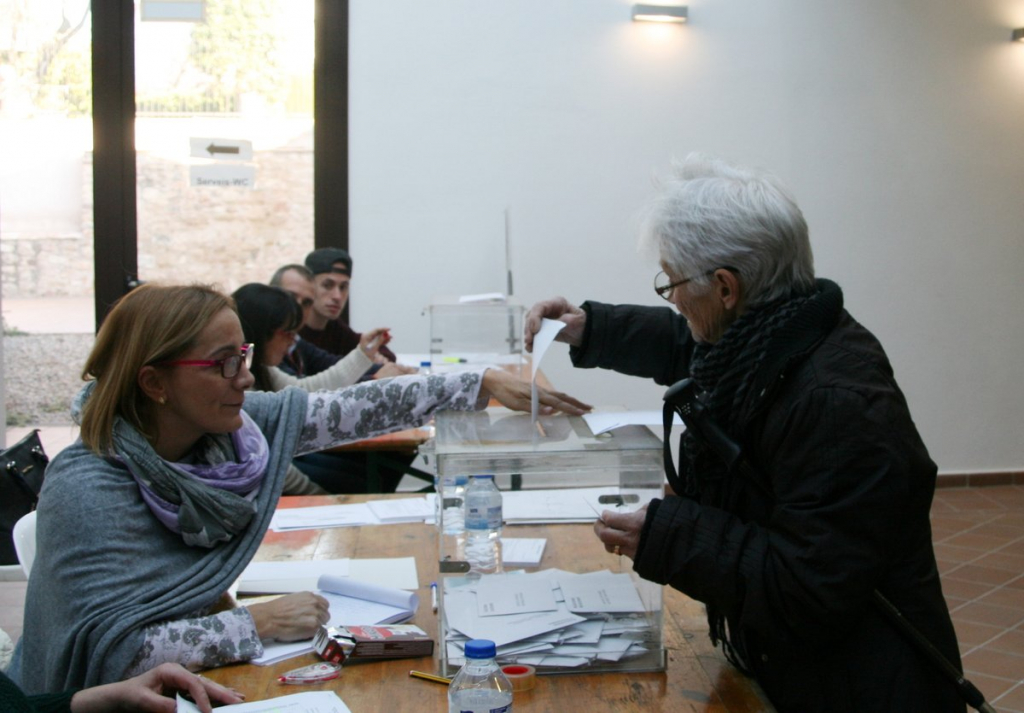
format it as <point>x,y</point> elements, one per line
<point>660,13</point>
<point>1018,34</point>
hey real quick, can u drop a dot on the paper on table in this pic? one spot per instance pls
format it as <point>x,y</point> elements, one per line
<point>309,702</point>
<point>287,577</point>
<point>549,329</point>
<point>355,602</point>
<point>603,421</point>
<point>401,510</point>
<point>394,572</point>
<point>351,602</point>
<point>316,518</point>
<point>522,550</point>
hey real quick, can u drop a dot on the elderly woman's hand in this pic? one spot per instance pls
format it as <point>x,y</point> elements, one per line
<point>293,617</point>
<point>556,308</point>
<point>620,532</point>
<point>515,394</point>
<point>153,692</point>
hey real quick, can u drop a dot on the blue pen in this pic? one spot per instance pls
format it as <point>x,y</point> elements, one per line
<point>433,596</point>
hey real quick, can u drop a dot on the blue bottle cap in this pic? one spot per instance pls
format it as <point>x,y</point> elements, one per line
<point>480,649</point>
<point>424,364</point>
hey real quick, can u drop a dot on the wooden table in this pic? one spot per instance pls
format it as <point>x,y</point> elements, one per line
<point>697,679</point>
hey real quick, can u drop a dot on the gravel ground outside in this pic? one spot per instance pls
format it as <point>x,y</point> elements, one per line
<point>42,373</point>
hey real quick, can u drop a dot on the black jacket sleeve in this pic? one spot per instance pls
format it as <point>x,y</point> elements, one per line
<point>651,342</point>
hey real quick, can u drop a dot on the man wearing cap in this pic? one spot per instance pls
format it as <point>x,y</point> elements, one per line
<point>332,272</point>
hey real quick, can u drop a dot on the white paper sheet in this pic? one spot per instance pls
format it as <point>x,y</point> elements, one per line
<point>309,702</point>
<point>604,592</point>
<point>604,421</point>
<point>401,510</point>
<point>460,609</point>
<point>290,576</point>
<point>549,329</point>
<point>351,602</point>
<point>504,594</point>
<point>522,551</point>
<point>316,518</point>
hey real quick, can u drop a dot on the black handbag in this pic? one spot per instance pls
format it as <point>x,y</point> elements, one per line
<point>21,477</point>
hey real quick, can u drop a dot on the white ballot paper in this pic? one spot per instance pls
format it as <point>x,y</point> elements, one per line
<point>514,594</point>
<point>604,421</point>
<point>601,592</point>
<point>523,551</point>
<point>549,329</point>
<point>460,609</point>
<point>310,702</point>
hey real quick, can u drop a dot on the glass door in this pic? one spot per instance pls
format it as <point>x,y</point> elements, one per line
<point>46,239</point>
<point>224,140</point>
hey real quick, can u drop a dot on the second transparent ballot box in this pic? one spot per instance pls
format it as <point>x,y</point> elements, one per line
<point>475,333</point>
<point>556,600</point>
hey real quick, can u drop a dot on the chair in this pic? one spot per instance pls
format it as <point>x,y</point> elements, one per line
<point>25,541</point>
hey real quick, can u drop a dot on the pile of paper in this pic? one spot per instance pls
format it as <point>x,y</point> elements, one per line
<point>551,618</point>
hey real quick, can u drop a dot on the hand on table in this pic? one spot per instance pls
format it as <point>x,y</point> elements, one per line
<point>153,691</point>
<point>622,530</point>
<point>556,308</point>
<point>293,617</point>
<point>515,394</point>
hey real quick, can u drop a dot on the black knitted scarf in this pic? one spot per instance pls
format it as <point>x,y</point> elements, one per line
<point>724,371</point>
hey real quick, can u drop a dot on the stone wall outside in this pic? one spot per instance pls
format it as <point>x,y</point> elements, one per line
<point>222,236</point>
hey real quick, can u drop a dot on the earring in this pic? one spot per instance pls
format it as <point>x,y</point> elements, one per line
<point>162,400</point>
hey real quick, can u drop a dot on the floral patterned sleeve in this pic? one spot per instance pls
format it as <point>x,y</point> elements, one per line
<point>372,408</point>
<point>200,642</point>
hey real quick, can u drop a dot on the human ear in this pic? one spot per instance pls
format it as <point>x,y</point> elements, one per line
<point>729,288</point>
<point>152,384</point>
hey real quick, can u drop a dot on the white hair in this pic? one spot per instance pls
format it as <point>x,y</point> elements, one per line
<point>712,214</point>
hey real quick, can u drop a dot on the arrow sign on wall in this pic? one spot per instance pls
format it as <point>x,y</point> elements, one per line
<point>224,149</point>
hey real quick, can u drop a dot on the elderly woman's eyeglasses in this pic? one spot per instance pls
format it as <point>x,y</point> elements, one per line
<point>664,288</point>
<point>229,366</point>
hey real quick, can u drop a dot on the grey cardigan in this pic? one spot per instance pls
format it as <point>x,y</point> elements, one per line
<point>146,575</point>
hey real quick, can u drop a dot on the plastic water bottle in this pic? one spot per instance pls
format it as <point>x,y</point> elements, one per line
<point>480,686</point>
<point>451,515</point>
<point>453,502</point>
<point>483,525</point>
<point>425,367</point>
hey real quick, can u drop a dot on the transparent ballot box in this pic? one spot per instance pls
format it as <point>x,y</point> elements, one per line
<point>468,333</point>
<point>555,598</point>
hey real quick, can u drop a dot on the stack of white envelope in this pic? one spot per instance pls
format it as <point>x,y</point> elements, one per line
<point>548,619</point>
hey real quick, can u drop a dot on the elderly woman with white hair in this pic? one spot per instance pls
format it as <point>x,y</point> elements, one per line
<point>787,554</point>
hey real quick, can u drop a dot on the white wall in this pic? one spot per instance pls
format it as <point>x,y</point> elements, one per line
<point>898,125</point>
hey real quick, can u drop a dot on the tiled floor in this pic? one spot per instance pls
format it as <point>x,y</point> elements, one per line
<point>979,542</point>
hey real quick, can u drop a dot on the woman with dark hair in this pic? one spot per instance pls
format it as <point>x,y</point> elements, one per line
<point>271,319</point>
<point>145,522</point>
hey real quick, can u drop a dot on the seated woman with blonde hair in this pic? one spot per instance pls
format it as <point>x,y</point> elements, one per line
<point>145,522</point>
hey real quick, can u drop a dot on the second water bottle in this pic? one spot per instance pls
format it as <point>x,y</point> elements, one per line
<point>483,525</point>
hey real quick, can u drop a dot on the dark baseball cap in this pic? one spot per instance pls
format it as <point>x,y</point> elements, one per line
<point>326,259</point>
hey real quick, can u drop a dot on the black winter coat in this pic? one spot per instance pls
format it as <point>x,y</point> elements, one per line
<point>843,509</point>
